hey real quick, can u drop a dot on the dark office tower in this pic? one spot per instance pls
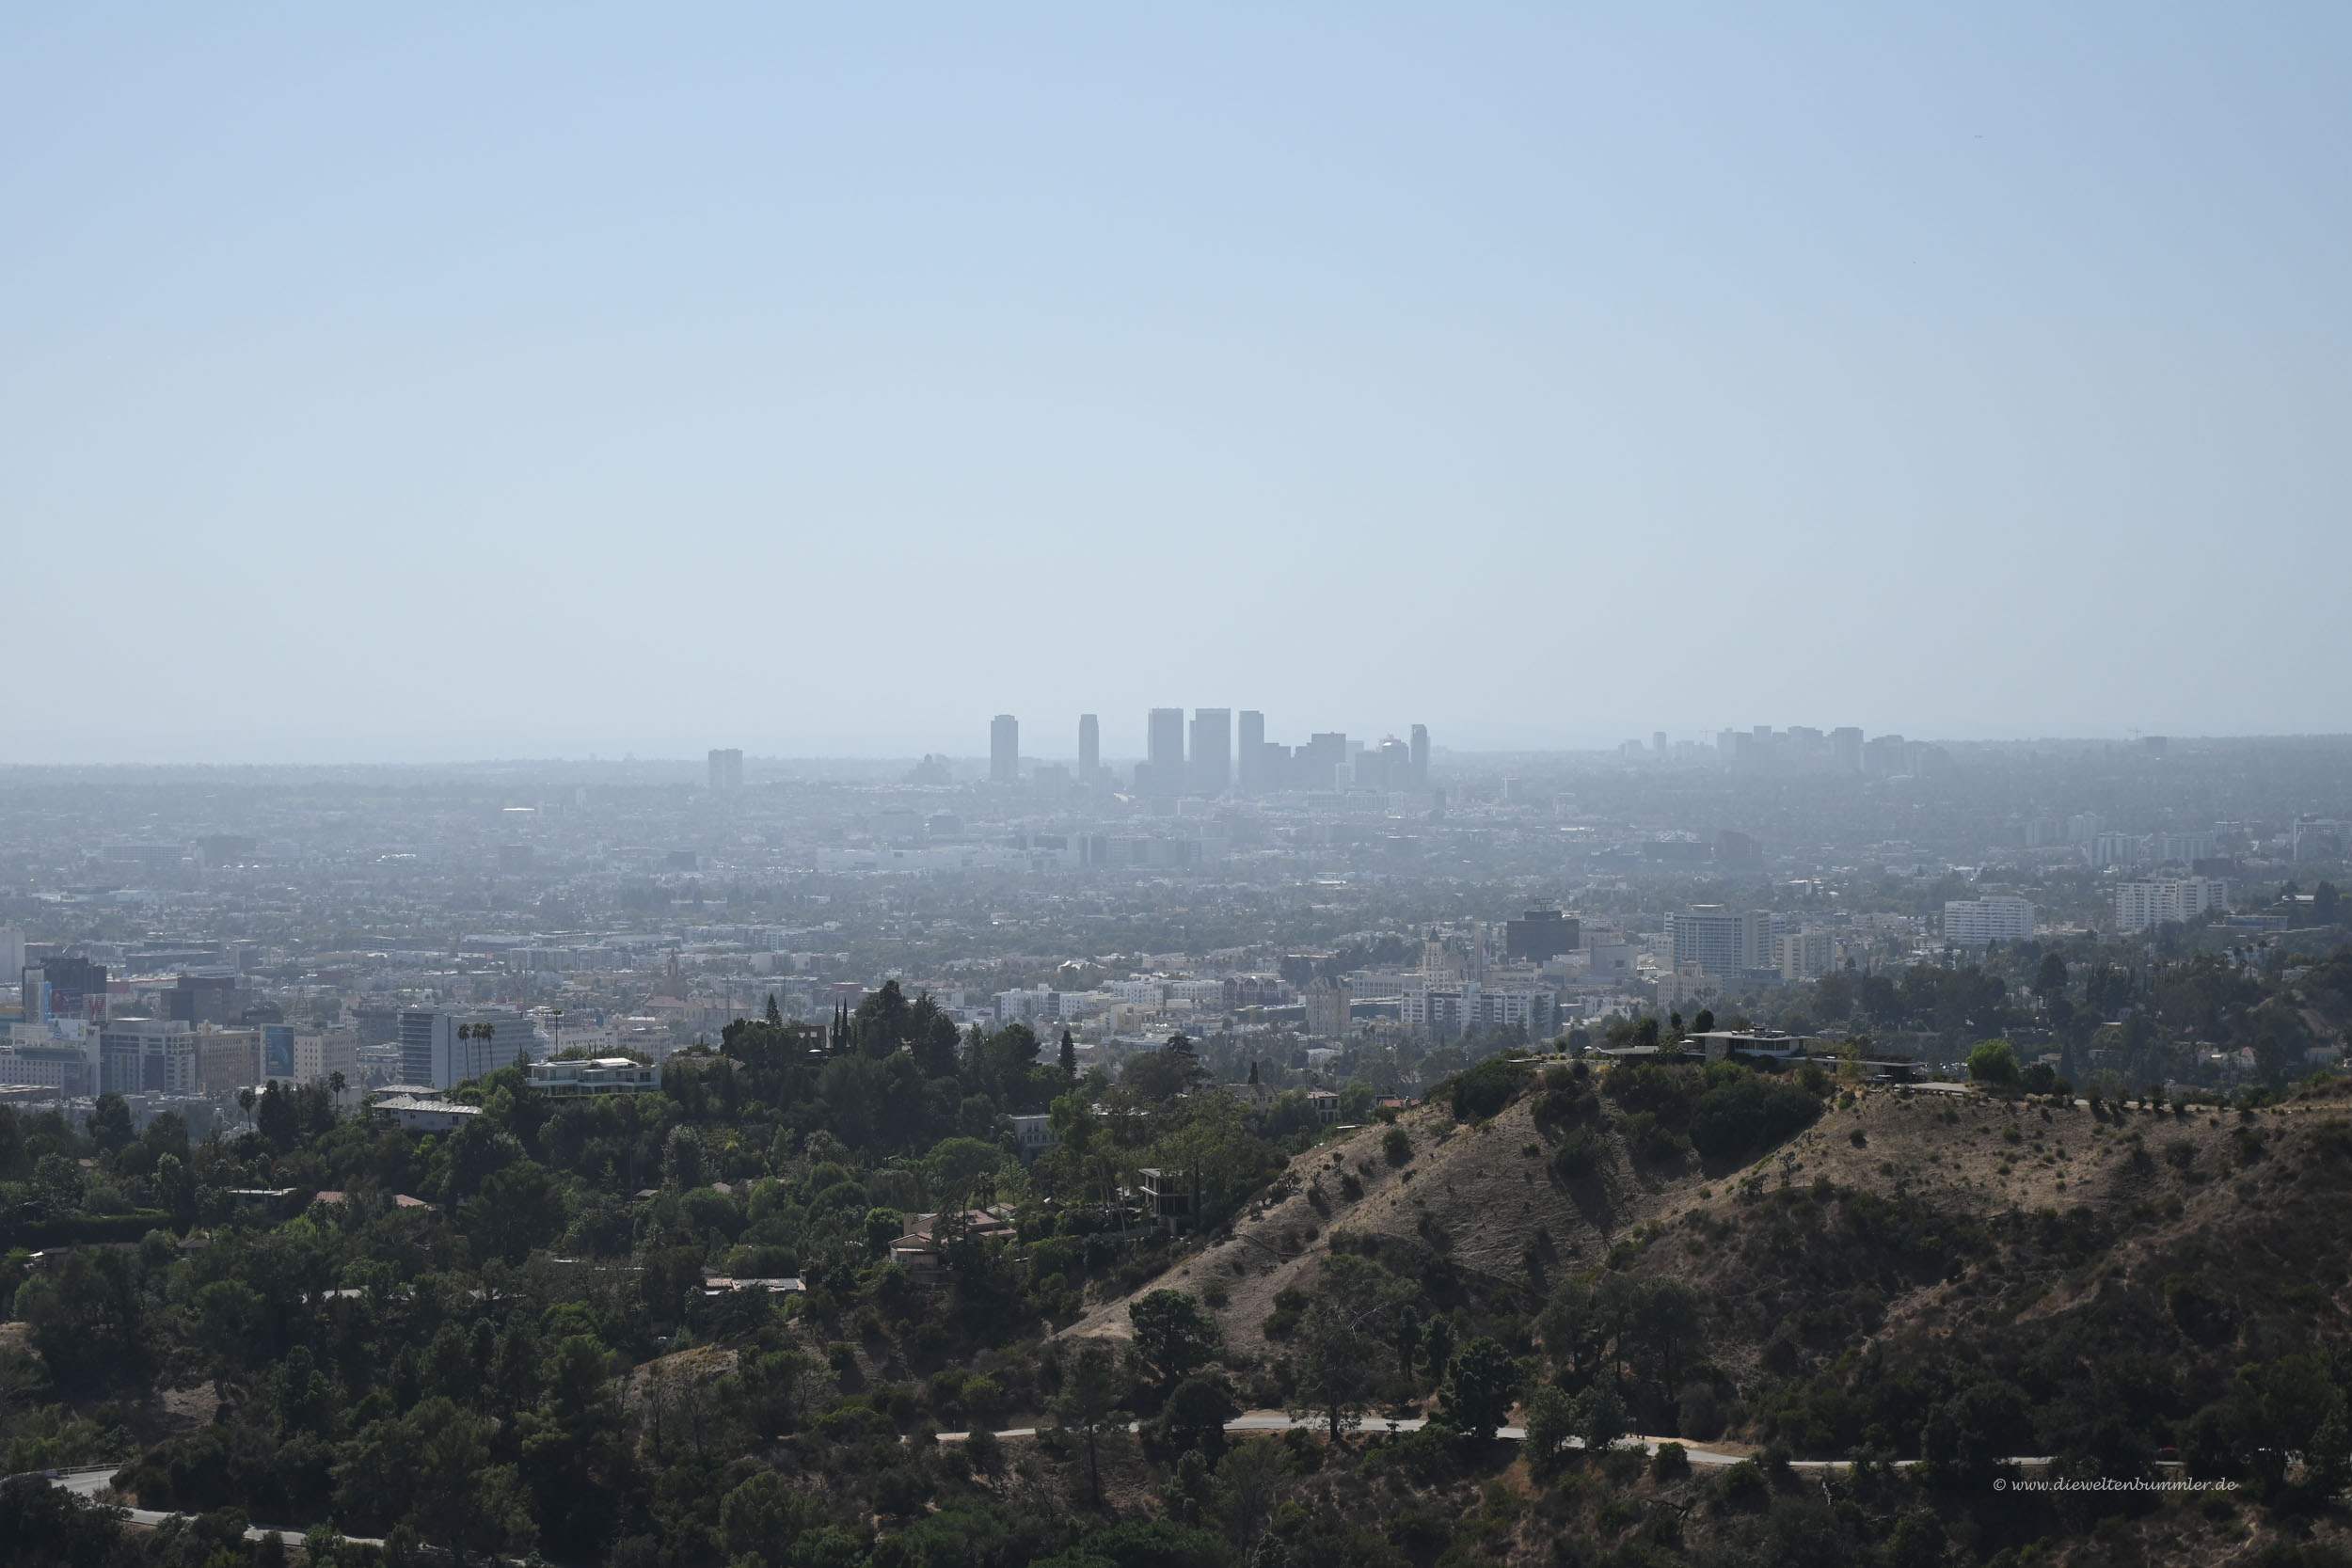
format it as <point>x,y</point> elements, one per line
<point>1249,759</point>
<point>1213,750</point>
<point>1541,934</point>
<point>1003,749</point>
<point>1421,756</point>
<point>1164,750</point>
<point>1318,763</point>
<point>1089,748</point>
<point>726,770</point>
<point>65,988</point>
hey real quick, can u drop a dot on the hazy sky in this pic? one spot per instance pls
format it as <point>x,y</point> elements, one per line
<point>414,382</point>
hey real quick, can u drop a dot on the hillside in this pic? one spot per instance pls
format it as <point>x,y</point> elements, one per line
<point>1906,1226</point>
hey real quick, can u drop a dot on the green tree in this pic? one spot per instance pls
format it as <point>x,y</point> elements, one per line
<point>881,1021</point>
<point>1172,1335</point>
<point>1341,1336</point>
<point>1669,1325</point>
<point>682,1158</point>
<point>1069,1054</point>
<point>2049,981</point>
<point>1993,1062</point>
<point>1194,1415</point>
<point>1248,1484</point>
<point>1161,1075</point>
<point>1552,1421</point>
<point>110,1126</point>
<point>47,1527</point>
<point>1484,1384</point>
<point>1436,1346</point>
<point>1089,1406</point>
<point>769,1516</point>
<point>1600,1415</point>
<point>88,1318</point>
<point>931,1039</point>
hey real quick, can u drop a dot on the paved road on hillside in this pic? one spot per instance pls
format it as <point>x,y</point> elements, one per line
<point>1276,1420</point>
<point>89,1482</point>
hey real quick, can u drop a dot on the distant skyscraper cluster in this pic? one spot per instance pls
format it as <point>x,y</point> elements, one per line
<point>1212,754</point>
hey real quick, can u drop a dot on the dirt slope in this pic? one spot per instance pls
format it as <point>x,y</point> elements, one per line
<point>1899,1212</point>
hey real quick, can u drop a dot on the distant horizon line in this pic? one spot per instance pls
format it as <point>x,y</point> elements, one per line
<point>981,759</point>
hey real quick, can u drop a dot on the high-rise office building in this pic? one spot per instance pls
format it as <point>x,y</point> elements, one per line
<point>64,989</point>
<point>726,770</point>
<point>1318,762</point>
<point>446,1048</point>
<point>1089,748</point>
<point>1211,749</point>
<point>1720,941</point>
<point>1003,749</point>
<point>1421,756</point>
<point>1249,754</point>
<point>1164,752</point>
<point>1542,934</point>
<point>146,1055</point>
<point>1845,749</point>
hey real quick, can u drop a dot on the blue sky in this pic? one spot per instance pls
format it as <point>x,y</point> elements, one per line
<point>451,382</point>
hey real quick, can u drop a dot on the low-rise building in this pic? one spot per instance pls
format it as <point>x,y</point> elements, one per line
<point>415,1111</point>
<point>596,1075</point>
<point>1034,1135</point>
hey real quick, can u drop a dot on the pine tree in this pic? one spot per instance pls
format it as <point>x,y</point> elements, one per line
<point>1069,1054</point>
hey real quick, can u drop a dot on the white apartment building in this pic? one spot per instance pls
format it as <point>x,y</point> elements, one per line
<point>1138,993</point>
<point>1722,942</point>
<point>1453,1007</point>
<point>1028,1006</point>
<point>1980,922</point>
<point>2140,906</point>
<point>574,1076</point>
<point>1804,955</point>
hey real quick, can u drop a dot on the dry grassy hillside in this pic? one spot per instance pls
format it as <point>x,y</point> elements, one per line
<point>1904,1225</point>
<point>1479,1195</point>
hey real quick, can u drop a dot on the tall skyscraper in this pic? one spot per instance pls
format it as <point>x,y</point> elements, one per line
<point>1164,752</point>
<point>1089,748</point>
<point>1316,765</point>
<point>1250,758</point>
<point>1421,756</point>
<point>726,770</point>
<point>1003,749</point>
<point>1211,749</point>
